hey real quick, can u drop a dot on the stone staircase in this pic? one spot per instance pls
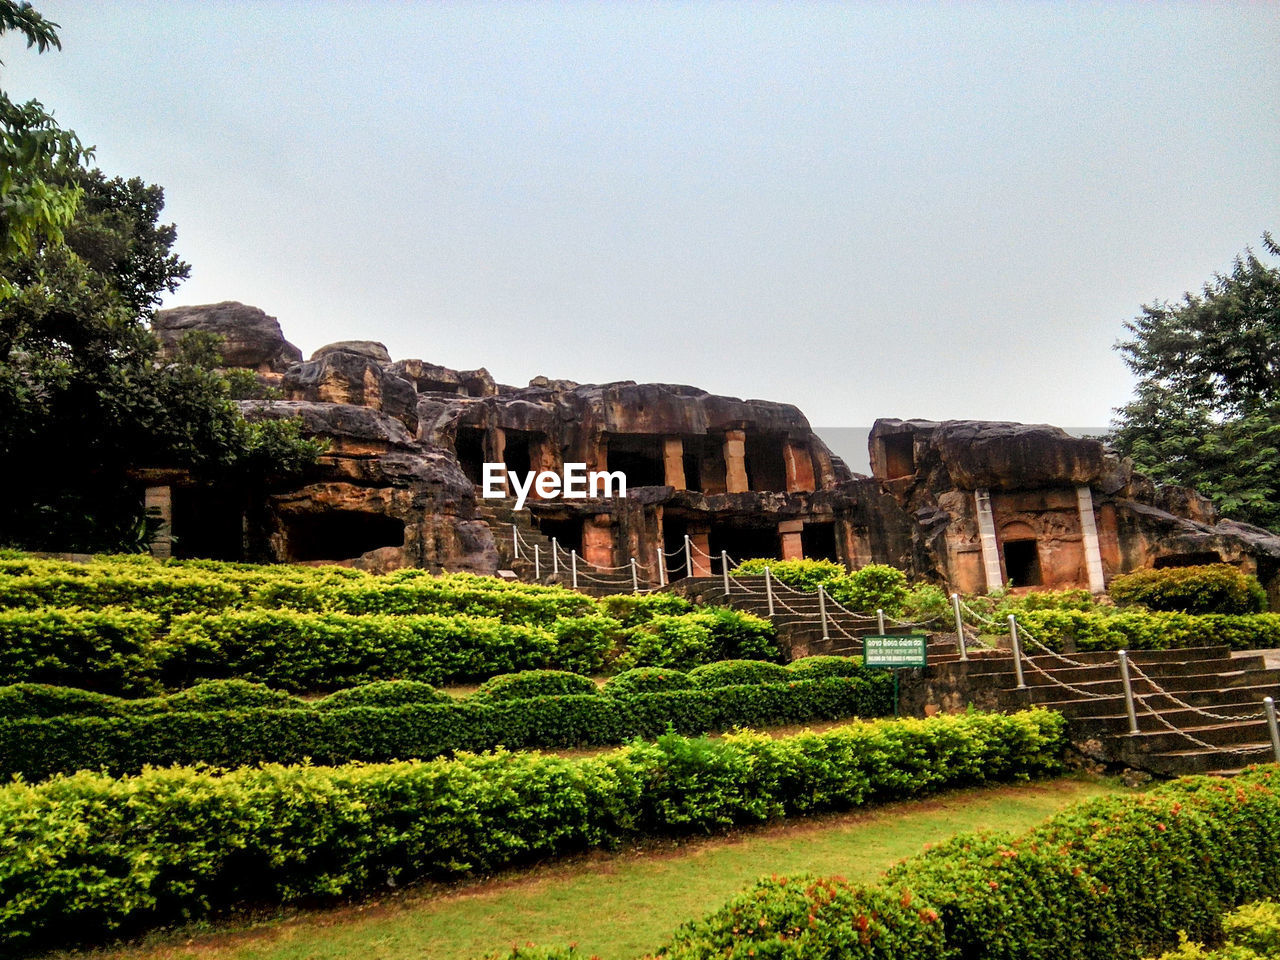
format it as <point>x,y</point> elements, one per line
<point>500,515</point>
<point>1172,739</point>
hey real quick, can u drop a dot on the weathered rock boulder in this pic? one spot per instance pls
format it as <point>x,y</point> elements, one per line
<point>378,499</point>
<point>250,338</point>
<point>433,378</point>
<point>372,349</point>
<point>340,376</point>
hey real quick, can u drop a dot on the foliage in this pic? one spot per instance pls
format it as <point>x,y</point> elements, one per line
<point>86,855</point>
<point>1105,880</point>
<point>1105,629</point>
<point>123,736</point>
<point>647,680</point>
<point>1251,932</point>
<point>926,603</point>
<point>1207,411</point>
<point>827,666</point>
<point>384,693</point>
<point>634,609</point>
<point>1212,588</point>
<point>873,587</point>
<point>726,673</point>
<point>108,649</point>
<point>536,683</point>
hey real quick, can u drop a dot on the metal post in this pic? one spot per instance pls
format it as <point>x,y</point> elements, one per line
<point>768,588</point>
<point>662,567</point>
<point>1271,722</point>
<point>573,565</point>
<point>822,609</point>
<point>688,556</point>
<point>635,580</point>
<point>1017,651</point>
<point>955,605</point>
<point>724,571</point>
<point>537,562</point>
<point>555,558</point>
<point>880,621</point>
<point>1128,692</point>
<point>515,543</point>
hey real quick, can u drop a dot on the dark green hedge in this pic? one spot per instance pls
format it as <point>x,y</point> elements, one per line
<point>1210,588</point>
<point>647,680</point>
<point>86,856</point>
<point>38,748</point>
<point>1142,630</point>
<point>1110,879</point>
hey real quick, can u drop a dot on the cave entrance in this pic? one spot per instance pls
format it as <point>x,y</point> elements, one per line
<point>207,524</point>
<point>1187,560</point>
<point>517,453</point>
<point>766,469</point>
<point>1022,563</point>
<point>639,458</point>
<point>339,535</point>
<point>899,455</point>
<point>818,541</point>
<point>704,467</point>
<point>743,542</point>
<point>567,532</point>
<point>469,448</point>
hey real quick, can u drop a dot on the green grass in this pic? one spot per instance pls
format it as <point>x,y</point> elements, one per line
<point>623,904</point>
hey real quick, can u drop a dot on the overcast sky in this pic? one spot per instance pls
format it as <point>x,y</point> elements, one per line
<point>867,210</point>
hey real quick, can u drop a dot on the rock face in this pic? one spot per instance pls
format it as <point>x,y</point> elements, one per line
<point>1004,502</point>
<point>968,504</point>
<point>250,338</point>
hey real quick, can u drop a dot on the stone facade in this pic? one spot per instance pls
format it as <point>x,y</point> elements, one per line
<point>967,504</point>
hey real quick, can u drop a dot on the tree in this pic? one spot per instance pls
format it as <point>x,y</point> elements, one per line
<point>32,148</point>
<point>85,399</point>
<point>1207,410</point>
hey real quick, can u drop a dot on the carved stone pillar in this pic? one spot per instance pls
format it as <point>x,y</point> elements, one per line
<point>673,462</point>
<point>158,502</point>
<point>799,466</point>
<point>735,461</point>
<point>597,540</point>
<point>790,533</point>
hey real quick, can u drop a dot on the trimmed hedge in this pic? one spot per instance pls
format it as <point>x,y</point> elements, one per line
<point>1141,630</point>
<point>690,640</point>
<point>22,701</point>
<point>1107,879</point>
<point>384,693</point>
<point>728,672</point>
<point>536,683</point>
<point>107,649</point>
<point>826,665</point>
<point>128,740</point>
<point>875,586</point>
<point>647,680</point>
<point>85,856</point>
<point>1211,588</point>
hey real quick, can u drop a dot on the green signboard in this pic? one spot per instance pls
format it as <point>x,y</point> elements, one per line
<point>908,650</point>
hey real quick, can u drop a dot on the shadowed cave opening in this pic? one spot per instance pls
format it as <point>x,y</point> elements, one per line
<point>340,535</point>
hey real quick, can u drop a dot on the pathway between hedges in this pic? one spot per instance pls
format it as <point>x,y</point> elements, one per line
<point>618,905</point>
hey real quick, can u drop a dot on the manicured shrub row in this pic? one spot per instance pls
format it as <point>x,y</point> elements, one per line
<point>1111,878</point>
<point>1101,629</point>
<point>1211,588</point>
<point>122,652</point>
<point>343,732</point>
<point>87,855</point>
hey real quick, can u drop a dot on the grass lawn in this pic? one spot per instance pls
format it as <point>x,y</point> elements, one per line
<point>621,904</point>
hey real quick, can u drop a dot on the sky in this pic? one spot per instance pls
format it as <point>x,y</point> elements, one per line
<point>903,210</point>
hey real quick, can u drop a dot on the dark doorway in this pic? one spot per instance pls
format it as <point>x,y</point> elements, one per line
<point>743,543</point>
<point>766,471</point>
<point>340,535</point>
<point>567,532</point>
<point>469,448</point>
<point>639,458</point>
<point>516,454</point>
<point>899,455</point>
<point>1181,560</point>
<point>207,524</point>
<point>818,540</point>
<point>1022,563</point>
<point>692,469</point>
